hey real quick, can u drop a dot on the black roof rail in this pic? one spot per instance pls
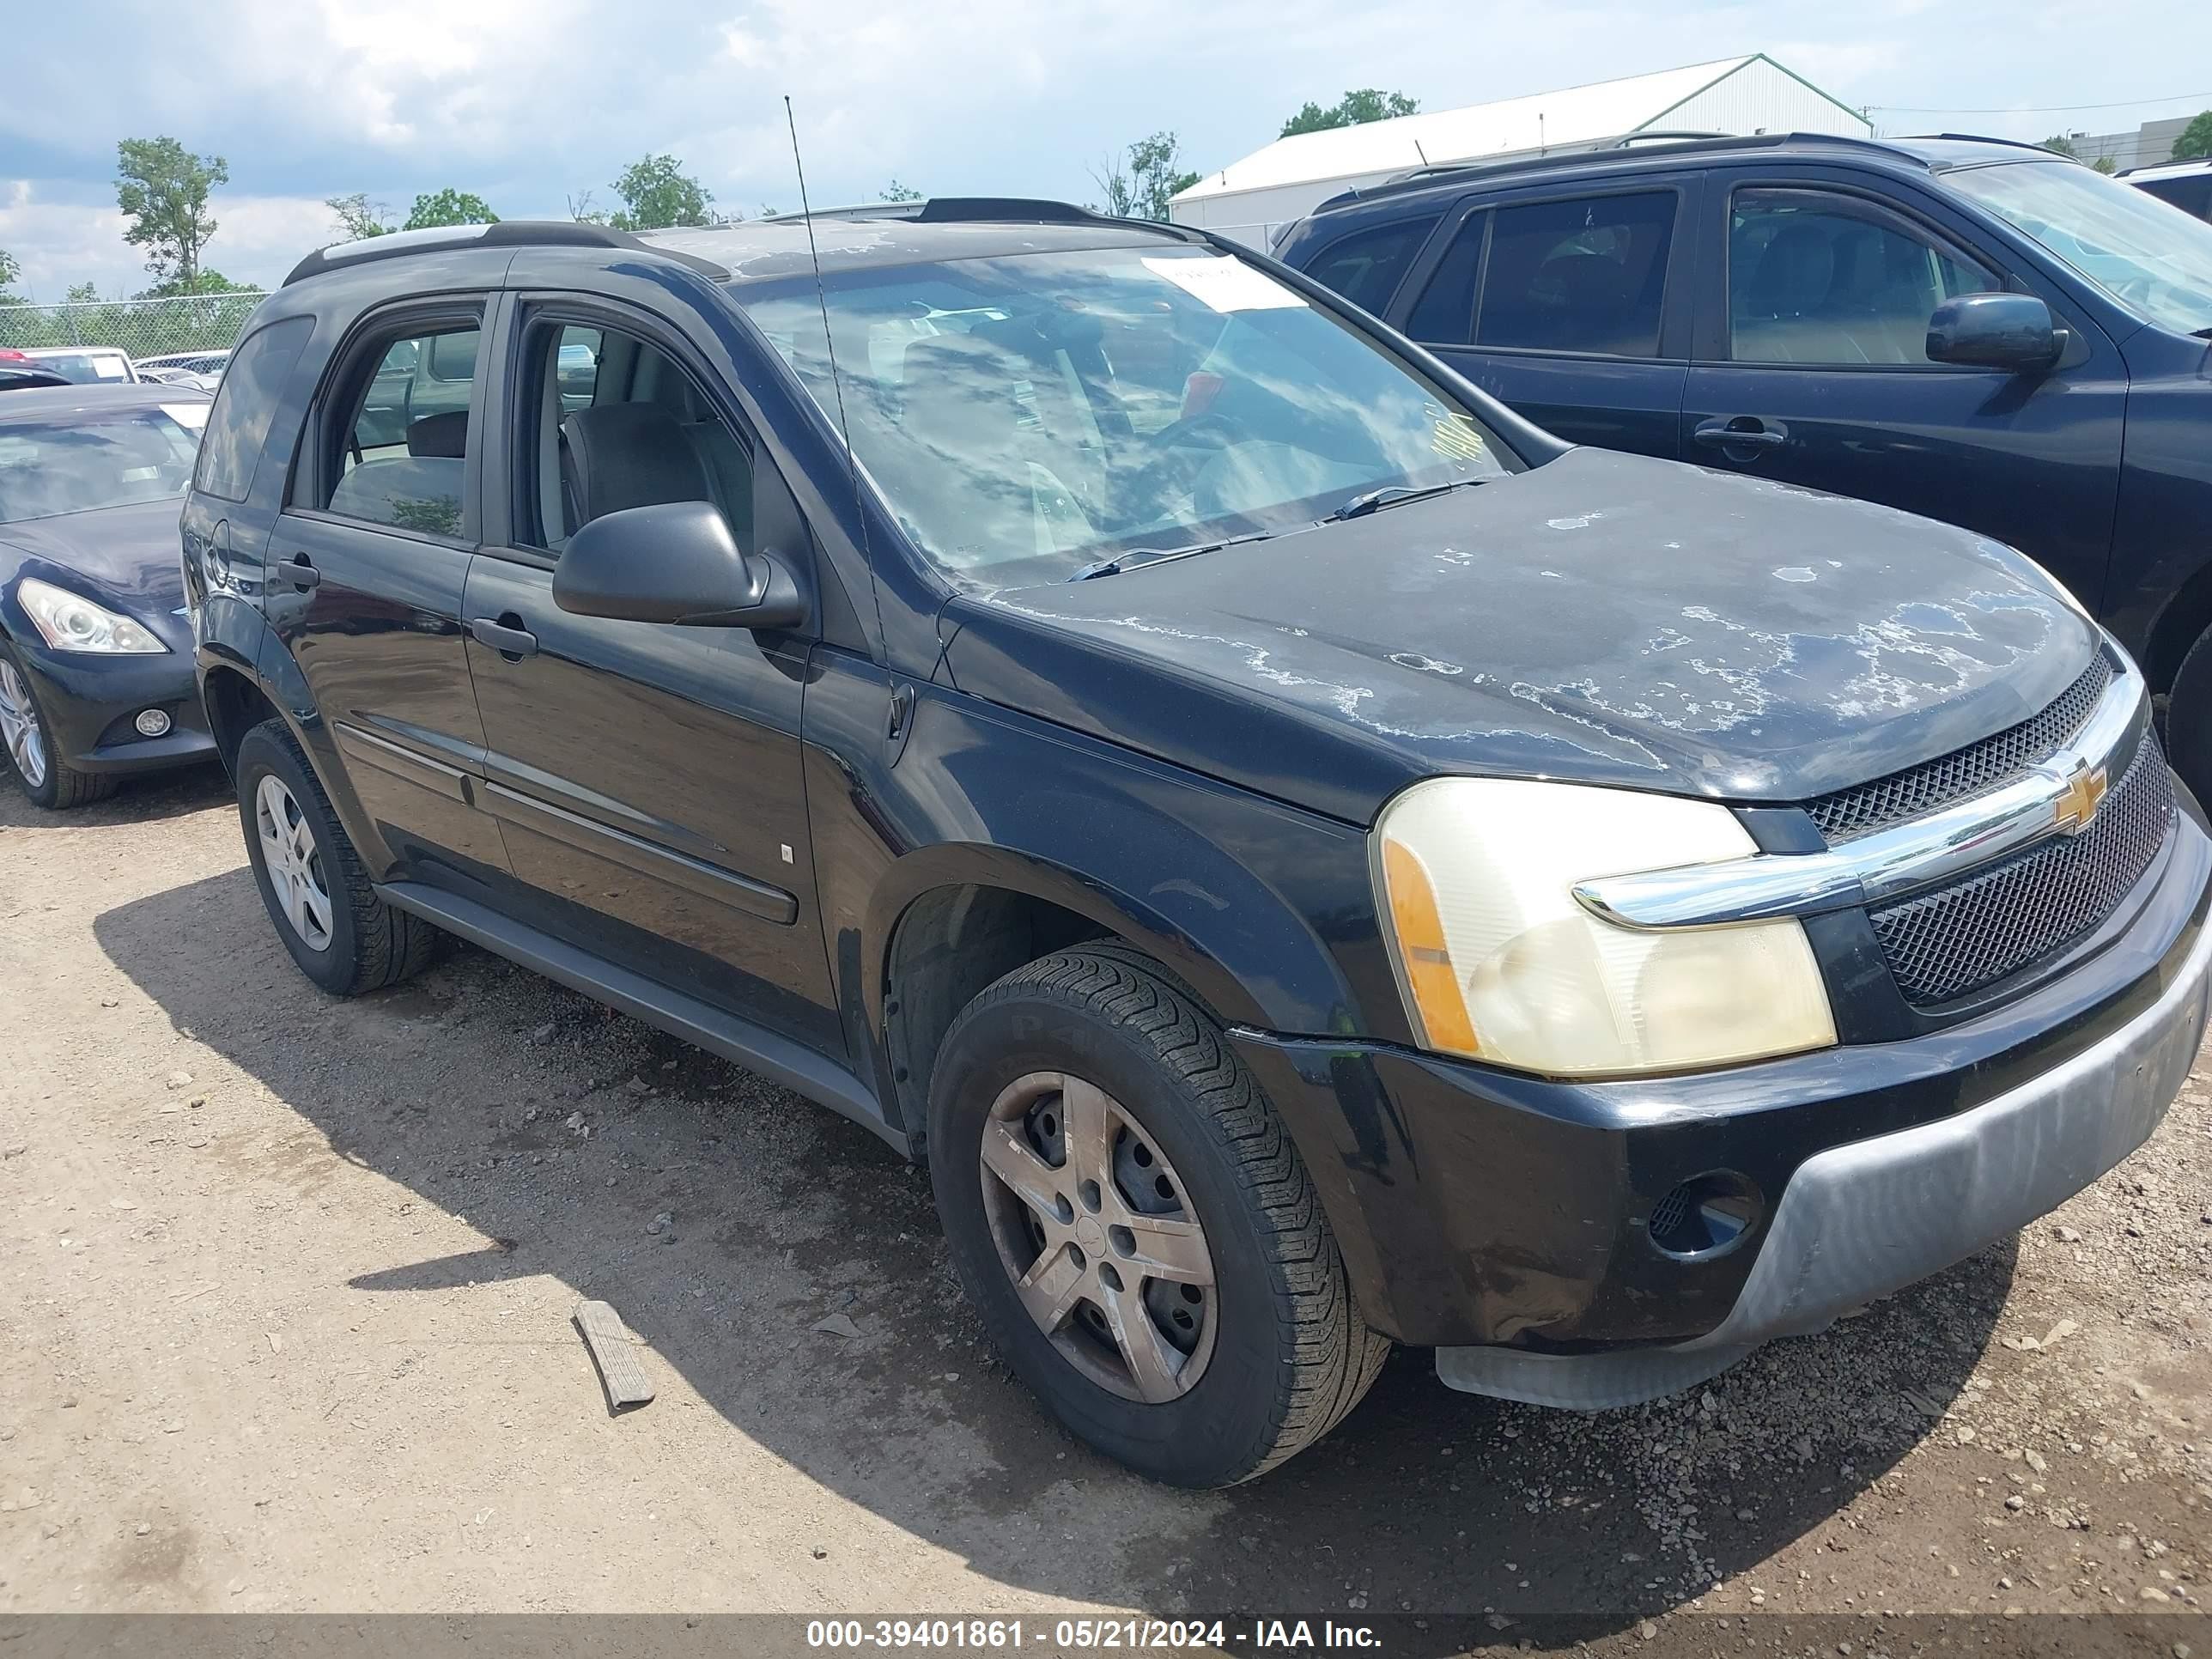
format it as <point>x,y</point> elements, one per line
<point>1035,210</point>
<point>1573,155</point>
<point>1665,135</point>
<point>1983,138</point>
<point>508,233</point>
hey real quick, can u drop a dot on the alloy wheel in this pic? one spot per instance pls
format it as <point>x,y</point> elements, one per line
<point>1096,1232</point>
<point>19,727</point>
<point>293,862</point>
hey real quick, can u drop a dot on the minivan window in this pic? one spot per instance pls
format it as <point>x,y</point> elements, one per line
<point>1026,416</point>
<point>405,444</point>
<point>2155,261</point>
<point>1366,267</point>
<point>239,424</point>
<point>1588,274</point>
<point>1815,277</point>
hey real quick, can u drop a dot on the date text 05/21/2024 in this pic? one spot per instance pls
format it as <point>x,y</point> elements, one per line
<point>999,1635</point>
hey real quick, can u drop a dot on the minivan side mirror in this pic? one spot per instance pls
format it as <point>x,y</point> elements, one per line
<point>674,562</point>
<point>2011,331</point>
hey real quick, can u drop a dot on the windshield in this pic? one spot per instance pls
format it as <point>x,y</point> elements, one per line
<point>133,455</point>
<point>84,367</point>
<point>1028,417</point>
<point>2151,257</point>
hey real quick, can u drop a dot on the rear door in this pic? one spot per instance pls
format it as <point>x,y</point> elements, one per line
<point>647,777</point>
<point>366,566</point>
<point>1813,369</point>
<point>1572,304</point>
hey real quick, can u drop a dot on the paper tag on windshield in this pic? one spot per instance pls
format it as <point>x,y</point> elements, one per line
<point>1225,285</point>
<point>191,415</point>
<point>107,369</point>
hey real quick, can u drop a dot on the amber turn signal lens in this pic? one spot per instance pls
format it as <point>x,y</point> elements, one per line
<point>1423,955</point>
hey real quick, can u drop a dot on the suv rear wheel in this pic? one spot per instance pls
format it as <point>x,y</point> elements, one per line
<point>1136,1226</point>
<point>343,935</point>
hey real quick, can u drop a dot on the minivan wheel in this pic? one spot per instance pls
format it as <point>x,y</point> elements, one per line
<point>343,935</point>
<point>29,747</point>
<point>1136,1226</point>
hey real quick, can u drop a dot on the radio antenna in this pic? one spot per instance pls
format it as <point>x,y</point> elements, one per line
<point>829,340</point>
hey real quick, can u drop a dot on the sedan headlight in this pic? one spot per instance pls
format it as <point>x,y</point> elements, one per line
<point>70,621</point>
<point>1500,963</point>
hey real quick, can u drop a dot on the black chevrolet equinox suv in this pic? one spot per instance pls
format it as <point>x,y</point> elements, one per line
<point>1310,860</point>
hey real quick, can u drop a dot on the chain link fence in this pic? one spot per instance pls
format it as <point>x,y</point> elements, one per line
<point>144,328</point>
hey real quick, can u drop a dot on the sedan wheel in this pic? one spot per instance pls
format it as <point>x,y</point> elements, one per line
<point>19,728</point>
<point>1093,1228</point>
<point>295,865</point>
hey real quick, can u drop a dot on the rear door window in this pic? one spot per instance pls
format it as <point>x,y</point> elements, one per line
<point>1587,275</point>
<point>401,444</point>
<point>1444,314</point>
<point>1366,267</point>
<point>238,425</point>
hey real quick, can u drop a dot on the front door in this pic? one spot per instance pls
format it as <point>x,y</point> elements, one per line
<point>647,775</point>
<point>1813,370</point>
<point>366,571</point>
<point>1573,309</point>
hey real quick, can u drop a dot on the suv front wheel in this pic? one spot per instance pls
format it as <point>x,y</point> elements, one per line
<point>343,935</point>
<point>1136,1226</point>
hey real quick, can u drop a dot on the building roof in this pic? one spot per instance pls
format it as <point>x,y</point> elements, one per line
<point>1575,115</point>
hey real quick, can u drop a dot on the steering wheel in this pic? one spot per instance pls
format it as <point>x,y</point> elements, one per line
<point>1207,427</point>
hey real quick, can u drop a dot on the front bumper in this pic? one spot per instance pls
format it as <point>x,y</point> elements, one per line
<point>90,702</point>
<point>1504,1221</point>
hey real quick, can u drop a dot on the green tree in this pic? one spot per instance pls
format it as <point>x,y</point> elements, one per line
<point>9,271</point>
<point>359,218</point>
<point>162,189</point>
<point>2059,144</point>
<point>2105,165</point>
<point>450,207</point>
<point>1353,109</point>
<point>896,192</point>
<point>2195,143</point>
<point>1149,180</point>
<point>658,194</point>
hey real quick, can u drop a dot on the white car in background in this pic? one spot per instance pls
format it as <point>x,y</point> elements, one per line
<point>86,365</point>
<point>167,365</point>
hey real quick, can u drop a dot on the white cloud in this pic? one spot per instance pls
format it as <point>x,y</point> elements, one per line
<point>59,244</point>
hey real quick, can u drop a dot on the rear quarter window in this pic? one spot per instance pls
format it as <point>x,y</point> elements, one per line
<point>1367,266</point>
<point>238,425</point>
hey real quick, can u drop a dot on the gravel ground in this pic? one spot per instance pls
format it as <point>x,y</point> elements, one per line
<point>286,1327</point>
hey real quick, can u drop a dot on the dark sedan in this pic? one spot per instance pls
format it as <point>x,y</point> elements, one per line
<point>95,654</point>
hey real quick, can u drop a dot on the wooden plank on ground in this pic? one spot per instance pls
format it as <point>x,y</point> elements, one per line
<point>615,1353</point>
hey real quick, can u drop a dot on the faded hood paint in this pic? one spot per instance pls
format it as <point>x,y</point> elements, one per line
<point>1604,618</point>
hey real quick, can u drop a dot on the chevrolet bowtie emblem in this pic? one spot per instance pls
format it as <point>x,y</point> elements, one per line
<point>2078,801</point>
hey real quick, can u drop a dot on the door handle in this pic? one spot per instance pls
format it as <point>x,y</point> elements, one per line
<point>1741,432</point>
<point>295,570</point>
<point>508,636</point>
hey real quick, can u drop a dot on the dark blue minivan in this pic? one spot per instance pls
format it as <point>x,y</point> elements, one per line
<point>1980,331</point>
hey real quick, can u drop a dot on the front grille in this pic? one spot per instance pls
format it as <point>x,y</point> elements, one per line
<point>1952,942</point>
<point>1964,773</point>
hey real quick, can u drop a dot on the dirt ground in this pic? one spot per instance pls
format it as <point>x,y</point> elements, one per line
<point>285,1298</point>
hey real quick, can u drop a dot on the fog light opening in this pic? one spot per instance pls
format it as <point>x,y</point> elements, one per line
<point>1706,1216</point>
<point>152,722</point>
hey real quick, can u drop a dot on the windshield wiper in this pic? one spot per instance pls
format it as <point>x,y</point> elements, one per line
<point>1373,500</point>
<point>1137,555</point>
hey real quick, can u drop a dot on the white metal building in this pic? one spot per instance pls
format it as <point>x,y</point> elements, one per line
<point>1250,199</point>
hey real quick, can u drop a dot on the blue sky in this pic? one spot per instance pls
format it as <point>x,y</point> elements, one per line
<point>528,102</point>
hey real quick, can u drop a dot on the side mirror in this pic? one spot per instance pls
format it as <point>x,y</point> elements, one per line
<point>2011,331</point>
<point>675,561</point>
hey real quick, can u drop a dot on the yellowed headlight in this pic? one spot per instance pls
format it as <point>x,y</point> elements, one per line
<point>1499,962</point>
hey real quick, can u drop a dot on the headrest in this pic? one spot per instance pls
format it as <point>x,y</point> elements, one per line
<point>957,393</point>
<point>1794,272</point>
<point>440,437</point>
<point>616,456</point>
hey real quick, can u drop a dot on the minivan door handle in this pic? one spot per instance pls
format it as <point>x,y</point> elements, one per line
<point>1741,431</point>
<point>508,636</point>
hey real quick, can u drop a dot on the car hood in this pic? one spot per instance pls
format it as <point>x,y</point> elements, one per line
<point>1604,618</point>
<point>127,557</point>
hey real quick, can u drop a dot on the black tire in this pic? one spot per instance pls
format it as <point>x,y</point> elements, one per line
<point>1290,1354</point>
<point>2189,720</point>
<point>64,786</point>
<point>370,945</point>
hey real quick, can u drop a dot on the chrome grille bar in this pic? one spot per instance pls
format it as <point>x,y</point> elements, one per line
<point>1889,863</point>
